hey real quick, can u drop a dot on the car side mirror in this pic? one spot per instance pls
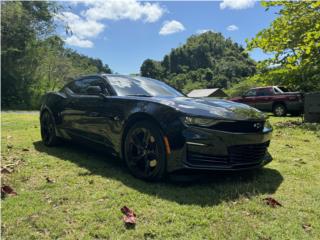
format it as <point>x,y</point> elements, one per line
<point>94,90</point>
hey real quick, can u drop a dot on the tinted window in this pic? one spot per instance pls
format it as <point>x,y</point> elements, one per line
<point>141,86</point>
<point>264,92</point>
<point>80,86</point>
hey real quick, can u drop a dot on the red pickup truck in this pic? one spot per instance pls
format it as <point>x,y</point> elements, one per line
<point>273,99</point>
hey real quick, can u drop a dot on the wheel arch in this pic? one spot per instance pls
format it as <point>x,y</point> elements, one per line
<point>278,102</point>
<point>44,109</point>
<point>134,118</point>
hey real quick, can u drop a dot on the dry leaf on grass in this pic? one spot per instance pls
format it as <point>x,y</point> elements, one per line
<point>307,227</point>
<point>5,170</point>
<point>7,190</point>
<point>49,180</point>
<point>272,202</point>
<point>130,216</point>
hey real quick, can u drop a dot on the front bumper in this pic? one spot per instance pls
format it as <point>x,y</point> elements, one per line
<point>207,149</point>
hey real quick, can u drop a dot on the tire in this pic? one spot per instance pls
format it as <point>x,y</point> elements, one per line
<point>48,130</point>
<point>279,110</point>
<point>144,151</point>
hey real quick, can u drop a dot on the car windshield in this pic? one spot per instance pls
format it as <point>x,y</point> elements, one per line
<point>141,86</point>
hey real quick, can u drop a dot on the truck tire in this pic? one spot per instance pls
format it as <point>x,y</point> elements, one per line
<point>279,110</point>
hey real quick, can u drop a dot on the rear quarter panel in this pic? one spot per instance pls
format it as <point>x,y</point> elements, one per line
<point>54,103</point>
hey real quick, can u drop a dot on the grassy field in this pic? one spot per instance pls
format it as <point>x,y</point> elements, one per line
<point>76,192</point>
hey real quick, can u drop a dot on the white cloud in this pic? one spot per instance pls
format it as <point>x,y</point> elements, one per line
<point>170,27</point>
<point>80,27</point>
<point>201,31</point>
<point>237,4</point>
<point>123,9</point>
<point>232,28</point>
<point>89,25</point>
<point>78,42</point>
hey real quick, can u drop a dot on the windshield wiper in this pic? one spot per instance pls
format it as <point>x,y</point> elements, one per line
<point>139,95</point>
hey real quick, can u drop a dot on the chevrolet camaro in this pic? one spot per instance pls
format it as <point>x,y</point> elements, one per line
<point>154,128</point>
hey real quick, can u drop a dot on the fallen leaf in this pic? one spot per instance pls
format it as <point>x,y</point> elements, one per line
<point>272,202</point>
<point>49,180</point>
<point>5,170</point>
<point>130,216</point>
<point>307,227</point>
<point>289,146</point>
<point>7,190</point>
<point>246,213</point>
<point>25,149</point>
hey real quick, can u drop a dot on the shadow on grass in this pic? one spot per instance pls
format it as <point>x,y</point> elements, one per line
<point>205,189</point>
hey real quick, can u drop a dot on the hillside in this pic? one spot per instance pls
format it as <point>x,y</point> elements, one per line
<point>206,60</point>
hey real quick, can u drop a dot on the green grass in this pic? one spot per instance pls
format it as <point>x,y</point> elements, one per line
<point>89,189</point>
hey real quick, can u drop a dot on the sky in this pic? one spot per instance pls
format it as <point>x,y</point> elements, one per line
<point>123,33</point>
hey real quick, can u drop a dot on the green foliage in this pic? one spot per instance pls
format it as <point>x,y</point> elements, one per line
<point>151,68</point>
<point>294,38</point>
<point>243,86</point>
<point>206,60</point>
<point>34,59</point>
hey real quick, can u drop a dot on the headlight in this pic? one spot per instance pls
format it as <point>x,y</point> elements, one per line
<point>196,121</point>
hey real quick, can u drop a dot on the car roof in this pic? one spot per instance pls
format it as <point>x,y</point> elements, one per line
<point>113,75</point>
<point>263,87</point>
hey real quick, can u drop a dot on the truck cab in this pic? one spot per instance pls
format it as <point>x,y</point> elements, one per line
<point>273,99</point>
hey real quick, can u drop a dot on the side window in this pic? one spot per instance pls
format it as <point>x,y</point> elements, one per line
<point>99,82</point>
<point>80,86</point>
<point>251,93</point>
<point>264,92</point>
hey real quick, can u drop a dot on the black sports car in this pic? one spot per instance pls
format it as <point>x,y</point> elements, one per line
<point>155,128</point>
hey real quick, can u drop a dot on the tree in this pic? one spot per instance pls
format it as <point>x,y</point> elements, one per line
<point>294,38</point>
<point>22,23</point>
<point>207,60</point>
<point>34,59</point>
<point>152,69</point>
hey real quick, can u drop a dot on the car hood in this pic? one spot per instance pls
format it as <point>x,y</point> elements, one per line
<point>216,108</point>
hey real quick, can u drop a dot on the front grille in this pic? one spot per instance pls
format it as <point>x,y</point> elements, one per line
<point>244,154</point>
<point>239,126</point>
<point>199,159</point>
<point>239,156</point>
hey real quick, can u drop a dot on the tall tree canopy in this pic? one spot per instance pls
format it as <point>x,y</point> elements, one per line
<point>294,38</point>
<point>206,60</point>
<point>34,60</point>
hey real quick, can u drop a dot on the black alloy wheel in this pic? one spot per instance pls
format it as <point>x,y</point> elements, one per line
<point>144,151</point>
<point>48,132</point>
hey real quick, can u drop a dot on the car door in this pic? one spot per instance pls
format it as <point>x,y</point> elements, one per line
<point>263,100</point>
<point>85,113</point>
<point>249,97</point>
